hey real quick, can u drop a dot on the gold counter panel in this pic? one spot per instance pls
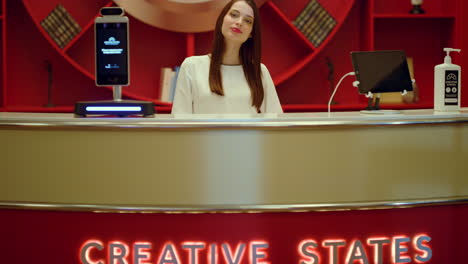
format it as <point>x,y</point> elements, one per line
<point>293,159</point>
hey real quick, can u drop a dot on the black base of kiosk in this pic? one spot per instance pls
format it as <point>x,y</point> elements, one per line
<point>120,108</point>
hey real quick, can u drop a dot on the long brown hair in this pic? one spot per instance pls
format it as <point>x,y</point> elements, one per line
<point>249,54</point>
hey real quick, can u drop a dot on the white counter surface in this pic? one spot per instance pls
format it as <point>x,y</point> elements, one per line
<point>267,120</point>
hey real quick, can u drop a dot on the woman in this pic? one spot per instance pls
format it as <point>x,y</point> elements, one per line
<point>231,80</point>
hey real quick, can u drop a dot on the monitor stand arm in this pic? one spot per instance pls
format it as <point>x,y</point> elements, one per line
<point>117,91</point>
<point>374,107</point>
<point>371,105</point>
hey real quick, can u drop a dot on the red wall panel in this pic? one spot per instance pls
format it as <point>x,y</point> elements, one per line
<point>57,237</point>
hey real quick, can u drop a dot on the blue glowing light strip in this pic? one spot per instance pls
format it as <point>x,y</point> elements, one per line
<point>113,108</point>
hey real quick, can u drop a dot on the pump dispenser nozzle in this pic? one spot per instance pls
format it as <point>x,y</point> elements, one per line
<point>447,58</point>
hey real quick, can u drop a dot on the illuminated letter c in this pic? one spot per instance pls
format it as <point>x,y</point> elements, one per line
<point>84,253</point>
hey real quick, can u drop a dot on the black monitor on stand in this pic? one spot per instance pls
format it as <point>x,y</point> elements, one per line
<point>112,57</point>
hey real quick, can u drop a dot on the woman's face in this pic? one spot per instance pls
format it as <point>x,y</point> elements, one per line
<point>238,22</point>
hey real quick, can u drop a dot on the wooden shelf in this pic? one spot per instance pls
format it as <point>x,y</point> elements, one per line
<point>286,21</point>
<point>410,16</point>
<point>290,11</point>
<point>300,63</point>
<point>280,78</point>
<point>278,30</point>
<point>404,6</point>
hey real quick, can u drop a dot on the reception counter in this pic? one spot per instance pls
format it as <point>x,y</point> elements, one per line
<point>307,188</point>
<point>234,162</point>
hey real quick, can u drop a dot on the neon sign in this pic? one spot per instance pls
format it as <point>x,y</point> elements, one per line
<point>117,252</point>
<point>375,250</point>
<point>357,252</point>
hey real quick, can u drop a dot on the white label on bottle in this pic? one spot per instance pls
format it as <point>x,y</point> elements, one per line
<point>451,88</point>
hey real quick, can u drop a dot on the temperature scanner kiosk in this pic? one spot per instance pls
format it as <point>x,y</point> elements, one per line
<point>112,57</point>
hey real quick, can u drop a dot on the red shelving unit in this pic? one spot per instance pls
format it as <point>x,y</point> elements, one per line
<point>301,71</point>
<point>422,36</point>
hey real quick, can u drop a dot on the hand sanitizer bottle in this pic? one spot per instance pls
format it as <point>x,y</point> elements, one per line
<point>447,84</point>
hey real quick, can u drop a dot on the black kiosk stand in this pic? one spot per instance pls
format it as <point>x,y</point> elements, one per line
<point>112,68</point>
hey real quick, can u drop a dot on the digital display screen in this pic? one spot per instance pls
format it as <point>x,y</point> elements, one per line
<point>111,53</point>
<point>382,71</point>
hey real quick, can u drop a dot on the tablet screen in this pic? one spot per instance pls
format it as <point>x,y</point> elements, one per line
<point>111,54</point>
<point>381,71</point>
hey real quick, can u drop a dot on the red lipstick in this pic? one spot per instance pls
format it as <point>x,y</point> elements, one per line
<point>236,30</point>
